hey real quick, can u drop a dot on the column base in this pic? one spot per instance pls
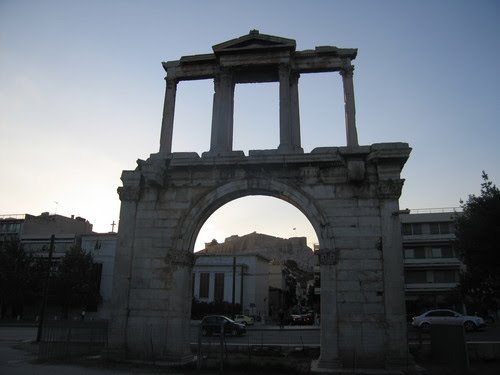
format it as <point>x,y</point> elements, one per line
<point>288,149</point>
<point>223,154</point>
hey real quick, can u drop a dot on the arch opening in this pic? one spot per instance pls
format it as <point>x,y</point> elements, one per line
<point>217,198</point>
<point>256,213</point>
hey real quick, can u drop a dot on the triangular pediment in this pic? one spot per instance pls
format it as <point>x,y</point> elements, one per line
<point>254,41</point>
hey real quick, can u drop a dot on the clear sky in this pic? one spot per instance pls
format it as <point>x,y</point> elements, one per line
<point>81,96</point>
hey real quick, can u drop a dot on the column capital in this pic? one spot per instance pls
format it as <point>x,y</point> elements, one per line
<point>171,82</point>
<point>327,257</point>
<point>347,71</point>
<point>132,183</point>
<point>284,69</point>
<point>129,193</point>
<point>294,75</point>
<point>180,257</point>
<point>390,189</point>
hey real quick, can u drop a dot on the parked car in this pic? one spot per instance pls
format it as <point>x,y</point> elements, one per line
<point>243,319</point>
<point>300,319</point>
<point>444,316</point>
<point>211,324</point>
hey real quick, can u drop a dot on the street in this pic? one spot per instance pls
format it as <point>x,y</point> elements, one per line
<point>20,362</point>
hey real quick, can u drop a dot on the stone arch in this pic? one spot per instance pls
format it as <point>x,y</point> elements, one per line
<point>351,192</point>
<point>213,200</point>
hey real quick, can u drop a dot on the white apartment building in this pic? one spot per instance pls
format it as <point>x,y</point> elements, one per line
<point>215,275</point>
<point>430,260</point>
<point>102,247</point>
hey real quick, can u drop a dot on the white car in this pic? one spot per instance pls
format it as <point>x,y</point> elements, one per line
<point>243,319</point>
<point>445,316</point>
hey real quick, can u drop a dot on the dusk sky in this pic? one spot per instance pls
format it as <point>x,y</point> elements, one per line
<point>82,88</point>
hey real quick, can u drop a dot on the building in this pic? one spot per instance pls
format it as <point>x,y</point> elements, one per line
<point>431,264</point>
<point>37,231</point>
<point>34,233</point>
<point>11,227</point>
<point>102,247</point>
<point>215,275</point>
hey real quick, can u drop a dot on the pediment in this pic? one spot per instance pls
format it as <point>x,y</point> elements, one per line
<point>254,41</point>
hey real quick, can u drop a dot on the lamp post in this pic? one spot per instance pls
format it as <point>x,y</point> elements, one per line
<point>45,290</point>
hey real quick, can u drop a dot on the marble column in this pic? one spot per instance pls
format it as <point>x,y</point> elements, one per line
<point>285,109</point>
<point>295,113</point>
<point>167,125</point>
<point>350,109</point>
<point>222,113</point>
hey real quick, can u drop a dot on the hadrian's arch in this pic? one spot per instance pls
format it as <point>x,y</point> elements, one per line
<point>349,193</point>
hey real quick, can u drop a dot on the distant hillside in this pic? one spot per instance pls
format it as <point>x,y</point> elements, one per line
<point>274,248</point>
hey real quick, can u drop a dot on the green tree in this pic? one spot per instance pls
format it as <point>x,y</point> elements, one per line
<point>478,244</point>
<point>76,282</point>
<point>20,279</point>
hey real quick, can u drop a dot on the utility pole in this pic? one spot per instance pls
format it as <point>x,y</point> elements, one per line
<point>234,285</point>
<point>45,290</point>
<point>241,290</point>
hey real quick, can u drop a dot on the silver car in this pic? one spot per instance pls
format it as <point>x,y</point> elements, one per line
<point>444,316</point>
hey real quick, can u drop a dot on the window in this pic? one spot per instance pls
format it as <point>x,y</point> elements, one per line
<point>442,252</point>
<point>409,253</point>
<point>412,229</point>
<point>436,252</point>
<point>447,252</point>
<point>419,253</point>
<point>439,228</point>
<point>414,253</point>
<point>444,276</point>
<point>415,277</point>
<point>441,313</point>
<point>204,284</point>
<point>219,287</point>
<point>192,284</point>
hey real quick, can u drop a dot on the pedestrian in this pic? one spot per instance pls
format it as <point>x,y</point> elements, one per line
<point>82,315</point>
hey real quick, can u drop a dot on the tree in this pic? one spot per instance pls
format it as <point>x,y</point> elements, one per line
<point>76,281</point>
<point>478,244</point>
<point>20,278</point>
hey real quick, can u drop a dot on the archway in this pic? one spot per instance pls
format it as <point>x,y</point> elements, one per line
<point>233,190</point>
<point>349,194</point>
<point>256,213</point>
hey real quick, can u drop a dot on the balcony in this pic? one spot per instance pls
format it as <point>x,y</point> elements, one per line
<point>432,262</point>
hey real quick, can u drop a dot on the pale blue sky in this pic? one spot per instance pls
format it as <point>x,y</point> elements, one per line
<point>81,95</point>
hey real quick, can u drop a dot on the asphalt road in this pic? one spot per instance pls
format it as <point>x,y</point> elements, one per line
<point>19,362</point>
<point>309,335</point>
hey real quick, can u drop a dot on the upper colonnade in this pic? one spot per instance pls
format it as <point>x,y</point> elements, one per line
<point>255,58</point>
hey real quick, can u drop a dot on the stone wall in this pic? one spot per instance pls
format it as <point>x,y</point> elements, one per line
<point>349,194</point>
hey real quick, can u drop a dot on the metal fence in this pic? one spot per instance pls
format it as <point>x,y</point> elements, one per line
<point>62,339</point>
<point>218,349</point>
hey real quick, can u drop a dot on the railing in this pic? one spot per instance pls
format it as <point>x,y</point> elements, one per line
<point>217,349</point>
<point>62,339</point>
<point>435,210</point>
